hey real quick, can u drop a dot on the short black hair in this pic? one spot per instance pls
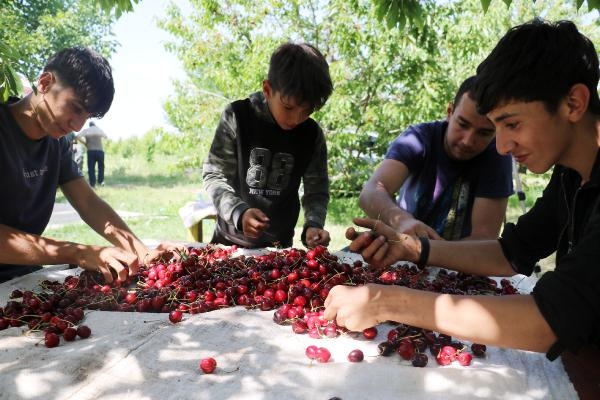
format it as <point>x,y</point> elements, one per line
<point>538,61</point>
<point>465,87</point>
<point>88,74</point>
<point>300,71</point>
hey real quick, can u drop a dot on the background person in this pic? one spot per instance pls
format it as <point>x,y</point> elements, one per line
<point>92,137</point>
<point>453,183</point>
<point>264,147</point>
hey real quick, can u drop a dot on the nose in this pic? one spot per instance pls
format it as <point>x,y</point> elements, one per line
<point>468,140</point>
<point>504,144</point>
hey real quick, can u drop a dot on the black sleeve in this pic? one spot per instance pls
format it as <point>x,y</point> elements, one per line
<point>569,296</point>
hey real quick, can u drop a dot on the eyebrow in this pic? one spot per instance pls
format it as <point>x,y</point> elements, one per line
<point>504,116</point>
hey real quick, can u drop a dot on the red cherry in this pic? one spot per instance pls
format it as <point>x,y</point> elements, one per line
<point>323,355</point>
<point>70,334</point>
<point>175,316</point>
<point>311,351</point>
<point>83,331</point>
<point>356,356</point>
<point>208,365</point>
<point>51,339</point>
<point>370,333</point>
<point>464,358</point>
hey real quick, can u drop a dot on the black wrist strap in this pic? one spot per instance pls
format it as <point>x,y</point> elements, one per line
<point>424,256</point>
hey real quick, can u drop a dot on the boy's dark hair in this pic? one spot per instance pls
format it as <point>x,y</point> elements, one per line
<point>88,74</point>
<point>300,71</point>
<point>465,87</point>
<point>538,61</point>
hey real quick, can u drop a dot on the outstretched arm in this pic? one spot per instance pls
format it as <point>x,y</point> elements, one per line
<point>381,246</point>
<point>512,321</point>
<point>377,200</point>
<point>22,248</point>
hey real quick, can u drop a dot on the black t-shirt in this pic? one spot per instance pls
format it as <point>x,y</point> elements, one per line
<point>566,219</point>
<point>30,173</point>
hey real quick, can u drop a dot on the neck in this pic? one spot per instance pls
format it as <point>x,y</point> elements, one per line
<point>25,113</point>
<point>585,147</point>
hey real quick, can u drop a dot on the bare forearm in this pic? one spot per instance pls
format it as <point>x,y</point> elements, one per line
<point>22,248</point>
<point>505,321</point>
<point>479,257</point>
<point>380,205</point>
<point>107,223</point>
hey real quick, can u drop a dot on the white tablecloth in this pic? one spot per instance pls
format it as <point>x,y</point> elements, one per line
<point>144,356</point>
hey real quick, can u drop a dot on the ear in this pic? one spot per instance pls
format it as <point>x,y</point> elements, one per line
<point>449,110</point>
<point>45,81</point>
<point>267,90</point>
<point>577,101</point>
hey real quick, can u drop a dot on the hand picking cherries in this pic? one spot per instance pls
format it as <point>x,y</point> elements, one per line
<point>293,283</point>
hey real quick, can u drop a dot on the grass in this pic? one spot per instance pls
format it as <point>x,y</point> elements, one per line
<point>156,190</point>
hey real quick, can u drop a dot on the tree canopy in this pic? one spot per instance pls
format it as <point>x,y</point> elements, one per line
<point>386,77</point>
<point>32,30</point>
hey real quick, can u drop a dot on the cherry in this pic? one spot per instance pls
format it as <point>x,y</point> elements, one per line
<point>131,298</point>
<point>478,349</point>
<point>299,326</point>
<point>356,356</point>
<point>83,331</point>
<point>208,365</point>
<point>370,333</point>
<point>406,349</point>
<point>70,334</point>
<point>420,360</point>
<point>464,358</point>
<point>323,355</point>
<point>385,349</point>
<point>51,339</point>
<point>175,316</point>
<point>311,352</point>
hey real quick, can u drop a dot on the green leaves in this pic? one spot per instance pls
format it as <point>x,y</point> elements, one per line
<point>10,82</point>
<point>387,74</point>
<point>32,30</point>
<point>402,12</point>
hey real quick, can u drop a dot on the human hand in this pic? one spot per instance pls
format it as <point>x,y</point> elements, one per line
<point>355,307</point>
<point>107,260</point>
<point>254,222</point>
<point>164,251</point>
<point>317,236</point>
<point>414,227</point>
<point>382,245</point>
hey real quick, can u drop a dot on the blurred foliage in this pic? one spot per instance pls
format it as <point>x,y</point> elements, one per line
<point>32,30</point>
<point>403,12</point>
<point>386,77</point>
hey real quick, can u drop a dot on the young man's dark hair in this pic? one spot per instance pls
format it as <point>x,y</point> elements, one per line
<point>88,74</point>
<point>553,52</point>
<point>301,72</point>
<point>465,87</point>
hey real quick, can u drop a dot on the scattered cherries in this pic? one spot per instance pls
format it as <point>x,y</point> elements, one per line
<point>292,283</point>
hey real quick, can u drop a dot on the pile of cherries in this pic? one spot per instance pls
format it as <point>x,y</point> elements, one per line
<point>293,282</point>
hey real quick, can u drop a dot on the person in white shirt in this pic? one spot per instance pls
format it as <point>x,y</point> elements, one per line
<point>92,137</point>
